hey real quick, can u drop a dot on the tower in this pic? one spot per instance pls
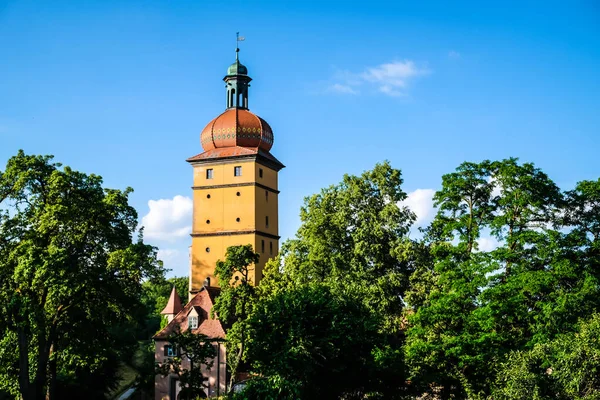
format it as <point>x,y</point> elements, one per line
<point>235,185</point>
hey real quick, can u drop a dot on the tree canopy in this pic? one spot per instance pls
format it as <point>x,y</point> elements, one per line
<point>70,273</point>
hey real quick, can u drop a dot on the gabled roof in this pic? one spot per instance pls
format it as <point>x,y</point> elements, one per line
<point>174,304</point>
<point>203,300</point>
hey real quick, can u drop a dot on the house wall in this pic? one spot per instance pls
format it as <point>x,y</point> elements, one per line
<point>217,375</point>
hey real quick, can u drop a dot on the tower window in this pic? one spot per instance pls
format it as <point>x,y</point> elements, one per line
<point>208,196</point>
<point>208,249</point>
<point>271,248</point>
<point>267,195</point>
<point>209,173</point>
<point>193,322</point>
<point>260,172</point>
<point>208,221</point>
<point>237,171</point>
<point>237,219</point>
<point>267,221</point>
<point>262,246</point>
<point>238,194</point>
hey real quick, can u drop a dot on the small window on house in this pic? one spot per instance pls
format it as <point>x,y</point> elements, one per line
<point>271,248</point>
<point>193,322</point>
<point>260,172</point>
<point>170,351</point>
<point>262,246</point>
<point>237,171</point>
<point>267,221</point>
<point>209,173</point>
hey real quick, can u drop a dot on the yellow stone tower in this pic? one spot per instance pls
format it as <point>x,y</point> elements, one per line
<point>235,185</point>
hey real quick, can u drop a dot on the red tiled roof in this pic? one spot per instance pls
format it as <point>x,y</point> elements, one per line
<point>234,151</point>
<point>174,304</point>
<point>204,300</point>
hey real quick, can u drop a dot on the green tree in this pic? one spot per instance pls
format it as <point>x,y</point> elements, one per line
<point>468,308</point>
<point>353,236</point>
<point>234,304</point>
<point>70,275</point>
<point>564,368</point>
<point>309,343</point>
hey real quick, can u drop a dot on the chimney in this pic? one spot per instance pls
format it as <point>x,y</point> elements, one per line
<point>207,282</point>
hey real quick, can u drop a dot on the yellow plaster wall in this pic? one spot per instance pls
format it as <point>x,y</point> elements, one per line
<point>223,208</point>
<point>203,263</point>
<point>223,173</point>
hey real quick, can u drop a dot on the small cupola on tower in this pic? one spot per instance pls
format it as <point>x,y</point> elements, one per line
<point>237,83</point>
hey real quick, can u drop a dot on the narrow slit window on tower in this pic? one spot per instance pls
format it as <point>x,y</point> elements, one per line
<point>237,171</point>
<point>209,173</point>
<point>260,172</point>
<point>271,248</point>
<point>262,246</point>
<point>267,221</point>
<point>267,195</point>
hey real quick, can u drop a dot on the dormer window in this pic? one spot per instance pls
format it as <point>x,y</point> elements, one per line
<point>193,322</point>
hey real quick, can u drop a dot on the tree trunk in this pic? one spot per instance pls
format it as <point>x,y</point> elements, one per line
<point>52,371</point>
<point>25,387</point>
<point>234,370</point>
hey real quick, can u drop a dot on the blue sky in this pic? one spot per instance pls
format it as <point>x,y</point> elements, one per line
<point>123,88</point>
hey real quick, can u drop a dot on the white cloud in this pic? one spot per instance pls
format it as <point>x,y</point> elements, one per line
<point>167,254</point>
<point>168,219</point>
<point>339,88</point>
<point>390,78</point>
<point>487,243</point>
<point>393,74</point>
<point>176,259</point>
<point>420,202</point>
<point>453,54</point>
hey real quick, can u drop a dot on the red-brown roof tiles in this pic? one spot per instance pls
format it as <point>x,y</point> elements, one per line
<point>237,127</point>
<point>202,301</point>
<point>174,304</point>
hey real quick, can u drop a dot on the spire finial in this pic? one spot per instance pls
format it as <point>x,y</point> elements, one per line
<point>238,39</point>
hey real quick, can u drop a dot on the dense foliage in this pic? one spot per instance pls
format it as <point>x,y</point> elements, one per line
<point>496,298</point>
<point>70,280</point>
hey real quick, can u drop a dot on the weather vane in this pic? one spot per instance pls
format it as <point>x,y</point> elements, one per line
<point>238,39</point>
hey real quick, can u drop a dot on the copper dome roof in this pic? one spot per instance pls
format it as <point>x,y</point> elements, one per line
<point>237,127</point>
